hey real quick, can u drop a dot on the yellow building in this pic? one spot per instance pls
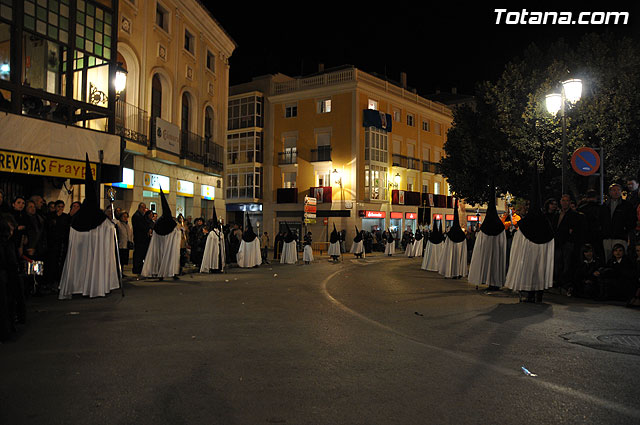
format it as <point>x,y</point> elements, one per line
<point>172,114</point>
<point>364,147</point>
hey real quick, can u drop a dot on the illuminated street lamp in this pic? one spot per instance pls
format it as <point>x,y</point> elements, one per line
<point>120,81</point>
<point>571,92</point>
<point>337,177</point>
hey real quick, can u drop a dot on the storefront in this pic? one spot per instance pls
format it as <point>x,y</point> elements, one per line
<point>373,220</point>
<point>396,222</point>
<point>151,185</point>
<point>207,199</point>
<point>184,198</point>
<point>472,221</point>
<point>410,221</point>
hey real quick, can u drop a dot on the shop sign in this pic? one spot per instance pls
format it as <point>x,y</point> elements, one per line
<point>448,217</point>
<point>22,163</point>
<point>185,189</point>
<point>375,214</point>
<point>153,182</point>
<point>472,218</point>
<point>437,216</point>
<point>396,215</point>
<point>411,216</point>
<point>127,179</point>
<point>208,192</point>
<point>167,136</point>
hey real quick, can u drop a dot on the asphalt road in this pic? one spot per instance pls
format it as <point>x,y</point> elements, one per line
<point>373,341</point>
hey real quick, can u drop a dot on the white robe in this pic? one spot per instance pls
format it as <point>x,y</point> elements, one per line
<point>416,249</point>
<point>289,253</point>
<point>215,244</point>
<point>91,267</point>
<point>530,265</point>
<point>431,257</point>
<point>453,259</point>
<point>307,253</point>
<point>358,248</point>
<point>163,256</point>
<point>334,249</point>
<point>489,260</point>
<point>389,248</point>
<point>249,254</point>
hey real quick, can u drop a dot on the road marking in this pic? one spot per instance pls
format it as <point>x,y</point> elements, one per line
<point>607,404</point>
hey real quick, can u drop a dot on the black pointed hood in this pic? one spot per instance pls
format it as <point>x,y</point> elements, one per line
<point>418,235</point>
<point>390,238</point>
<point>534,225</point>
<point>166,223</point>
<point>89,216</point>
<point>289,237</point>
<point>248,235</point>
<point>436,235</point>
<point>492,225</point>
<point>334,235</point>
<point>455,233</point>
<point>214,219</point>
<point>358,237</point>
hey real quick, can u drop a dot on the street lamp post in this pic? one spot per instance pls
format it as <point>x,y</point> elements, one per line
<point>571,92</point>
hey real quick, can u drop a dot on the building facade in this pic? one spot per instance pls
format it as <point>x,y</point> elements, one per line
<point>57,99</point>
<point>172,114</point>
<point>366,149</point>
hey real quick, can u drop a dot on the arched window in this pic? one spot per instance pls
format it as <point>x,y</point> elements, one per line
<point>156,97</point>
<point>186,113</point>
<point>208,123</point>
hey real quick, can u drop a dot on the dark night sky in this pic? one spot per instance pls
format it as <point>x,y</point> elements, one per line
<point>438,46</point>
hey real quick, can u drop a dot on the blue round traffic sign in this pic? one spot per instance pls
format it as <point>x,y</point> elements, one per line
<point>585,161</point>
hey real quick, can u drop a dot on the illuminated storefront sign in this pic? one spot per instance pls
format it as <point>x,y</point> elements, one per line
<point>208,192</point>
<point>448,217</point>
<point>127,179</point>
<point>22,163</point>
<point>396,215</point>
<point>472,218</point>
<point>153,182</point>
<point>411,216</point>
<point>437,216</point>
<point>374,214</point>
<point>185,188</point>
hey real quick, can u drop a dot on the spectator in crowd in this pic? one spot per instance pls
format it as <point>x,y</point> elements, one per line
<point>277,246</point>
<point>36,236</point>
<point>567,237</point>
<point>590,207</point>
<point>125,237</point>
<point>39,203</point>
<point>617,220</point>
<point>198,241</point>
<point>57,241</point>
<point>634,200</point>
<point>586,277</point>
<point>635,287</point>
<point>184,240</point>
<point>12,301</point>
<point>616,278</point>
<point>632,192</point>
<point>20,216</point>
<point>51,208</point>
<point>264,247</point>
<point>74,208</point>
<point>551,211</point>
<point>343,238</point>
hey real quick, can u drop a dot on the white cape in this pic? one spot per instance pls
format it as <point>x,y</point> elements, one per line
<point>389,248</point>
<point>416,248</point>
<point>91,267</point>
<point>163,256</point>
<point>249,254</point>
<point>307,253</point>
<point>530,265</point>
<point>431,257</point>
<point>489,260</point>
<point>453,259</point>
<point>358,248</point>
<point>215,244</point>
<point>334,249</point>
<point>289,253</point>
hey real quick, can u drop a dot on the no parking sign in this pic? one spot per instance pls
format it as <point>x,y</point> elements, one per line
<point>585,161</point>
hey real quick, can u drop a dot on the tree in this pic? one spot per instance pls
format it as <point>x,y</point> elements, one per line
<point>511,131</point>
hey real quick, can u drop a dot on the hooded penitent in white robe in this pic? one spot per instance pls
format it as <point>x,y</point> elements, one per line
<point>431,257</point>
<point>453,259</point>
<point>334,249</point>
<point>163,256</point>
<point>307,253</point>
<point>249,254</point>
<point>530,264</point>
<point>358,248</point>
<point>91,267</point>
<point>214,252</point>
<point>389,248</point>
<point>289,253</point>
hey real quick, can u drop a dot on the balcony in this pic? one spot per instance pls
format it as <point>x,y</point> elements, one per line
<point>132,123</point>
<point>430,167</point>
<point>287,195</point>
<point>438,201</point>
<point>322,194</point>
<point>413,163</point>
<point>286,158</point>
<point>322,153</point>
<point>405,162</point>
<point>214,154</point>
<point>192,147</point>
<point>405,197</point>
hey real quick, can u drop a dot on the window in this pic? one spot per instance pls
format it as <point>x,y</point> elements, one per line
<point>5,51</point>
<point>436,188</point>
<point>290,111</point>
<point>425,125</point>
<point>376,145</point>
<point>324,106</point>
<point>437,129</point>
<point>373,104</point>
<point>289,180</point>
<point>425,186</point>
<point>245,112</point>
<point>244,182</point>
<point>396,115</point>
<point>410,182</point>
<point>375,182</point>
<point>410,120</point>
<point>244,148</point>
<point>426,154</point>
<point>189,42</point>
<point>211,61</point>
<point>162,17</point>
